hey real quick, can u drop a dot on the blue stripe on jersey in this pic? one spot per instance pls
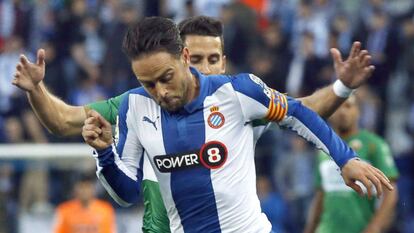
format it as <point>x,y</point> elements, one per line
<point>122,126</point>
<point>243,83</point>
<point>338,149</point>
<point>191,189</point>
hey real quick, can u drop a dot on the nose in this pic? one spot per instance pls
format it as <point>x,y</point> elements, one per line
<point>161,90</point>
<point>205,69</point>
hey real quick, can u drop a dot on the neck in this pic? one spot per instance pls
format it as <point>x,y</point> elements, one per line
<point>348,133</point>
<point>194,87</point>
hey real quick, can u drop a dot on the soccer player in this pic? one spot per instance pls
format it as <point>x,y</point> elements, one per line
<point>203,37</point>
<point>335,207</point>
<point>85,213</point>
<point>196,133</point>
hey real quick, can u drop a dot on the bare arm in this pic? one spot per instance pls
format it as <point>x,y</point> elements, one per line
<point>57,116</point>
<point>383,216</point>
<point>352,72</point>
<point>315,212</point>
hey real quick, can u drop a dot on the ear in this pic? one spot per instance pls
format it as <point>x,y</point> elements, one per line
<point>223,67</point>
<point>186,56</point>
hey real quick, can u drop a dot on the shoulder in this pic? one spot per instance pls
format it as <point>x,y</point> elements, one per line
<point>67,206</point>
<point>103,205</point>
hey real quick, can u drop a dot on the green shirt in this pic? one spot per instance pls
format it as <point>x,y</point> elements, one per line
<point>155,215</point>
<point>344,211</point>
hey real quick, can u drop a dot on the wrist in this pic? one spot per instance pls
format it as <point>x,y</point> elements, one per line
<point>105,156</point>
<point>341,90</point>
<point>37,88</point>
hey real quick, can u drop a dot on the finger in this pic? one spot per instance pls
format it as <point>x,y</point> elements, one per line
<point>15,81</point>
<point>40,57</point>
<point>356,187</point>
<point>356,46</point>
<point>380,172</point>
<point>92,121</point>
<point>383,178</point>
<point>336,55</point>
<point>373,177</point>
<point>366,60</point>
<point>369,70</point>
<point>368,186</point>
<point>93,128</point>
<point>90,135</point>
<point>19,67</point>
<point>24,60</point>
<point>362,54</point>
<point>17,74</point>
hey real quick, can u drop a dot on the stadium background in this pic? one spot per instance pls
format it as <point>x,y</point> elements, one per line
<point>285,42</point>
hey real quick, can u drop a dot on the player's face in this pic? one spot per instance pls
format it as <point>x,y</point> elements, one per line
<point>85,191</point>
<point>346,117</point>
<point>206,54</point>
<point>165,77</point>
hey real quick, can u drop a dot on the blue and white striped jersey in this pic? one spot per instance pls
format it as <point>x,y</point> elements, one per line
<point>203,154</point>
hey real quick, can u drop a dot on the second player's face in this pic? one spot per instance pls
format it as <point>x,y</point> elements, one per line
<point>346,117</point>
<point>206,54</point>
<point>165,77</point>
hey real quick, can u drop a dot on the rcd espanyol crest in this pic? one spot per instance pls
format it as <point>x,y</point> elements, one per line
<point>215,119</point>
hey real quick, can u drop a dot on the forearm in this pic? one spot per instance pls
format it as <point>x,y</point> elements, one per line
<point>323,101</point>
<point>315,211</point>
<point>121,185</point>
<point>383,216</point>
<point>311,127</point>
<point>58,117</point>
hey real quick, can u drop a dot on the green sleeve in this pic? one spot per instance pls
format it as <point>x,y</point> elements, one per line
<point>382,158</point>
<point>108,108</point>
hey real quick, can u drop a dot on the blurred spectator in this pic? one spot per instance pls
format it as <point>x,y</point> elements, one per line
<point>19,119</point>
<point>8,205</point>
<point>380,40</point>
<point>116,72</point>
<point>308,72</point>
<point>294,176</point>
<point>272,204</point>
<point>87,90</point>
<point>85,213</point>
<point>34,189</point>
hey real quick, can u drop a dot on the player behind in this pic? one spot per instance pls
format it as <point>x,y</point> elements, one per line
<point>204,38</point>
<point>193,131</point>
<point>85,213</point>
<point>335,207</point>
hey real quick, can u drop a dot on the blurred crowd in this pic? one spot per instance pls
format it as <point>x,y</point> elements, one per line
<point>285,42</point>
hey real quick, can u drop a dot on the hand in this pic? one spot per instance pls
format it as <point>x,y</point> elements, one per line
<point>357,170</point>
<point>372,229</point>
<point>28,75</point>
<point>356,69</point>
<point>97,132</point>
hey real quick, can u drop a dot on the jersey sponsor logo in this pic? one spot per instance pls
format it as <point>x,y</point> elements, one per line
<point>146,119</point>
<point>215,120</point>
<point>212,155</point>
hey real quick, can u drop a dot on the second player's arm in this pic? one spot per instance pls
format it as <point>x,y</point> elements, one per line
<point>384,214</point>
<point>315,212</point>
<point>57,116</point>
<point>351,73</point>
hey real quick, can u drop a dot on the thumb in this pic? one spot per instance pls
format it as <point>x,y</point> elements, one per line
<point>105,124</point>
<point>336,55</point>
<point>41,57</point>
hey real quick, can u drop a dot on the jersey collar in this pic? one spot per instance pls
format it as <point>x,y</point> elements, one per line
<point>197,103</point>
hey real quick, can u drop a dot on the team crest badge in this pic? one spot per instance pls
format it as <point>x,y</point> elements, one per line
<point>215,119</point>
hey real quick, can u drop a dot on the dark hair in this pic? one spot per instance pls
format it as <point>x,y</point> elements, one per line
<point>152,34</point>
<point>201,26</point>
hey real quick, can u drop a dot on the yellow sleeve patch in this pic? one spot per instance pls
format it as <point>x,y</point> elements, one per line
<point>278,107</point>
